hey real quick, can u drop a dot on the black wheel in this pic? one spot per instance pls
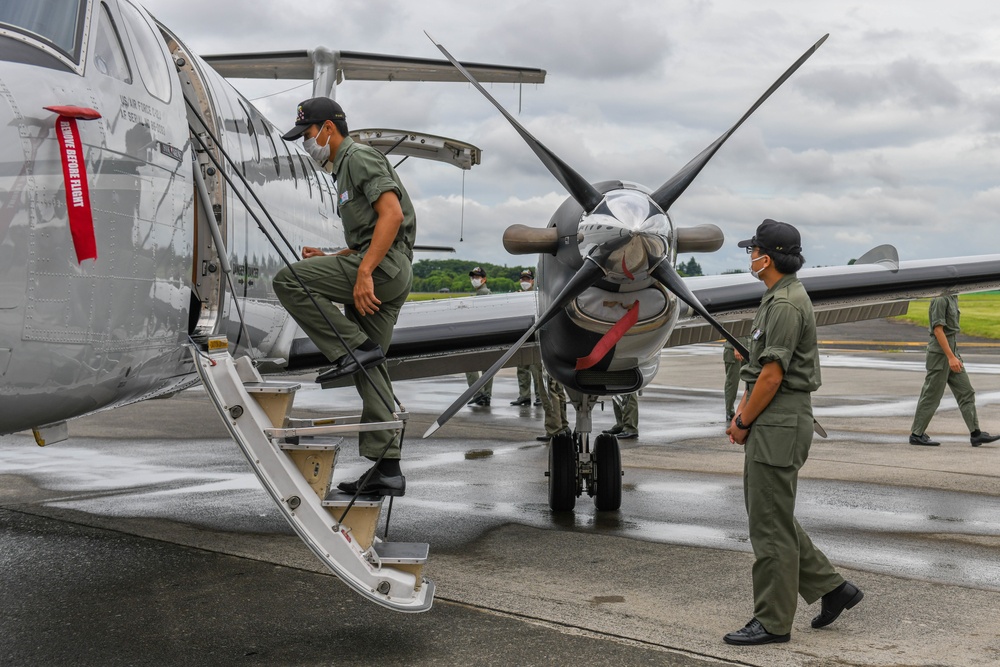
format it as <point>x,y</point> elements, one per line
<point>562,473</point>
<point>607,473</point>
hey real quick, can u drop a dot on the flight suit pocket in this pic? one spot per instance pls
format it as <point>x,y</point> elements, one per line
<point>773,439</point>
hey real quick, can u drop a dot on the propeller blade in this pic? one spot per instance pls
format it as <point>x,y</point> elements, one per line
<point>585,194</point>
<point>668,193</point>
<point>669,277</point>
<point>666,275</point>
<point>587,275</point>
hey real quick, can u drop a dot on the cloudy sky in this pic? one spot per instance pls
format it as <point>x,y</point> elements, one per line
<point>890,133</point>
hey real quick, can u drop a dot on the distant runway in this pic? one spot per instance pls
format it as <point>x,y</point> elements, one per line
<point>149,516</point>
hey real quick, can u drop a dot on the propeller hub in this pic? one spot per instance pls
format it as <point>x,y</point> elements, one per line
<point>627,234</point>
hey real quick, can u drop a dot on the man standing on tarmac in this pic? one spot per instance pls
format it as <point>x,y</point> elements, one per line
<point>774,422</point>
<point>371,278</point>
<point>945,367</point>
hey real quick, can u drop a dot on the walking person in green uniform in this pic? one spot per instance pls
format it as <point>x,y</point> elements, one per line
<point>734,363</point>
<point>484,396</point>
<point>945,367</point>
<point>774,423</point>
<point>371,278</point>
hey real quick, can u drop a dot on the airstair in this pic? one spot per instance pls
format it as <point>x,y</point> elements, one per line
<point>295,459</point>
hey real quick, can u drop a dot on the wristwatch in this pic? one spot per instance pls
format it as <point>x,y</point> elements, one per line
<point>740,424</point>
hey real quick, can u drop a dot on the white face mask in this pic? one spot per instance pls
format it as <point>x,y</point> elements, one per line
<point>477,282</point>
<point>319,153</point>
<point>525,285</point>
<point>756,274</point>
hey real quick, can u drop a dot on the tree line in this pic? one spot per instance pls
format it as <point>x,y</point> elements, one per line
<point>436,275</point>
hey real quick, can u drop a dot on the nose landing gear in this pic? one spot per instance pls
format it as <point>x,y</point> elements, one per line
<point>573,468</point>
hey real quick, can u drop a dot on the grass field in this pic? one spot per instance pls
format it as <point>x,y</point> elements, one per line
<point>980,314</point>
<point>431,296</point>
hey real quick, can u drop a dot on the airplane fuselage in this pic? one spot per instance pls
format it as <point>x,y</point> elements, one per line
<point>108,331</point>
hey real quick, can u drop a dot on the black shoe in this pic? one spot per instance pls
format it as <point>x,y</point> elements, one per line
<point>348,366</point>
<point>754,633</point>
<point>481,400</point>
<point>538,401</point>
<point>544,438</point>
<point>729,419</point>
<point>628,435</point>
<point>923,440</point>
<point>378,484</point>
<point>521,401</point>
<point>840,598</point>
<point>614,430</point>
<point>983,438</point>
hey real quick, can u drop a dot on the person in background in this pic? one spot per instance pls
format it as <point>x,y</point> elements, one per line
<point>626,407</point>
<point>531,372</point>
<point>485,395</point>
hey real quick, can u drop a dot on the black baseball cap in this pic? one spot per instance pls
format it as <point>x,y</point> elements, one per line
<point>775,236</point>
<point>477,272</point>
<point>315,111</point>
<point>527,274</point>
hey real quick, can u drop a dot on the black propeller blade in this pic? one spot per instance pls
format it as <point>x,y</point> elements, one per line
<point>585,194</point>
<point>668,193</point>
<point>666,274</point>
<point>587,275</point>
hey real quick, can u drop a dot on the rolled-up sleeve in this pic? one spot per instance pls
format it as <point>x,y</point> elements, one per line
<point>782,332</point>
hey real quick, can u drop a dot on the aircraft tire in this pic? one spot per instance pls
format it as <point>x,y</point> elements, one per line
<point>562,474</point>
<point>607,473</point>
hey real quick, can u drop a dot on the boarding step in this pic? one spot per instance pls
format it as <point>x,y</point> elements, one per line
<point>363,517</point>
<point>294,460</point>
<point>406,556</point>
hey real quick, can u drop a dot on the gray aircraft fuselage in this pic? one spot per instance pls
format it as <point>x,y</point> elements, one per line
<point>81,336</point>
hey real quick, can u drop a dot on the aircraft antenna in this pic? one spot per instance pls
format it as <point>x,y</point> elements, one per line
<point>461,229</point>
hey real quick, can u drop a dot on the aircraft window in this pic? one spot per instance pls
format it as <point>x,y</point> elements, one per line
<point>291,163</point>
<point>305,175</point>
<point>150,60</point>
<point>58,23</point>
<point>319,181</point>
<point>109,55</point>
<point>253,132</point>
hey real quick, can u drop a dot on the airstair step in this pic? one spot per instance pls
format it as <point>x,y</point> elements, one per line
<point>310,444</point>
<point>340,499</point>
<point>272,387</point>
<point>332,429</point>
<point>406,553</point>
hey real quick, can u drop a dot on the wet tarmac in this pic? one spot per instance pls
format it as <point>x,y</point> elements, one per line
<point>146,539</point>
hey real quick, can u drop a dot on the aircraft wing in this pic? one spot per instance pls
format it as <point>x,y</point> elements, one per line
<point>362,67</point>
<point>839,293</point>
<point>456,335</point>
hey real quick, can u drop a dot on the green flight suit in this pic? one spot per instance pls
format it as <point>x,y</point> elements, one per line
<point>944,312</point>
<point>555,409</point>
<point>733,368</point>
<point>525,376</point>
<point>786,562</point>
<point>363,175</point>
<point>626,407</point>
<point>471,376</point>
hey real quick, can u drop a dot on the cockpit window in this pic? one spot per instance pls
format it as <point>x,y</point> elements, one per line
<point>150,59</point>
<point>109,55</point>
<point>58,23</point>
